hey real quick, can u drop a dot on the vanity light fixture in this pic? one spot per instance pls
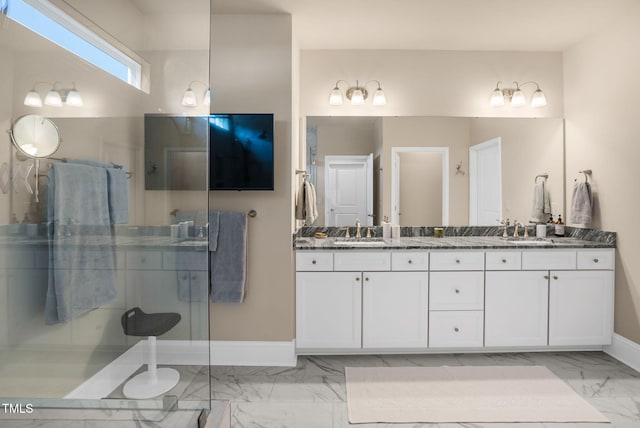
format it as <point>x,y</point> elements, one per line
<point>357,94</point>
<point>55,97</point>
<point>189,98</point>
<point>516,97</point>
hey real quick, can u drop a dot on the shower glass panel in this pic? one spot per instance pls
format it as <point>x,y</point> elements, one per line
<point>98,266</point>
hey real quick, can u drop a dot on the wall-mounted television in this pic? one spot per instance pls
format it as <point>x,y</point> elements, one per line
<point>241,151</point>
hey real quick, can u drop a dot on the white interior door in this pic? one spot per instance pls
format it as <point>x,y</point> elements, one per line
<point>349,190</point>
<point>485,183</point>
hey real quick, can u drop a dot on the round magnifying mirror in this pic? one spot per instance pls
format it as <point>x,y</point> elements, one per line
<point>35,136</point>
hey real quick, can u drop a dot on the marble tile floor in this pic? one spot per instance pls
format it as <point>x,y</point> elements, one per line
<point>313,394</point>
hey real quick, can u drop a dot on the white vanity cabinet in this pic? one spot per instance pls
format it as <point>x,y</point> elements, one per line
<point>495,299</point>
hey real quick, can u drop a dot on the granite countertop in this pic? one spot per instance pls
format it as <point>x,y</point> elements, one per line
<point>445,243</point>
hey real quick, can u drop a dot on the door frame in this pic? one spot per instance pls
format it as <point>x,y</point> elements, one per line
<point>395,179</point>
<point>337,159</point>
<point>473,177</point>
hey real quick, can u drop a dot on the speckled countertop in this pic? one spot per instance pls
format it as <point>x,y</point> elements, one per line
<point>445,243</point>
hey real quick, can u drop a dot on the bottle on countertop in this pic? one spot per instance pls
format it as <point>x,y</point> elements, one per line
<point>559,228</point>
<point>550,221</point>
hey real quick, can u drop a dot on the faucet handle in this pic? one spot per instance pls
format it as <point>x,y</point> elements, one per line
<point>346,229</point>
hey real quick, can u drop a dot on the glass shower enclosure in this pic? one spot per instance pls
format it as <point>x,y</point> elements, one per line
<point>102,278</point>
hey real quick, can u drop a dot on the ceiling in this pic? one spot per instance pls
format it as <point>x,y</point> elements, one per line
<point>503,25</point>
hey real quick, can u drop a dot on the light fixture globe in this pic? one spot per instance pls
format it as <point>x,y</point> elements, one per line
<point>518,99</point>
<point>379,99</point>
<point>497,98</point>
<point>357,96</point>
<point>189,98</point>
<point>335,98</point>
<point>53,98</point>
<point>538,99</point>
<point>74,99</point>
<point>32,99</point>
<point>207,97</point>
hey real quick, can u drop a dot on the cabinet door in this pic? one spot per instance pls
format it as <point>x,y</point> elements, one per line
<point>328,309</point>
<point>516,307</point>
<point>581,308</point>
<point>395,309</point>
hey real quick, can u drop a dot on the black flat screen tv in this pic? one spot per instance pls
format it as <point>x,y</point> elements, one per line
<point>241,151</point>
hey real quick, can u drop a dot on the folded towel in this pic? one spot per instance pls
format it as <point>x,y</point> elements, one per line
<point>541,203</point>
<point>311,211</point>
<point>300,202</point>
<point>581,203</point>
<point>214,228</point>
<point>118,189</point>
<point>82,273</point>
<point>229,260</point>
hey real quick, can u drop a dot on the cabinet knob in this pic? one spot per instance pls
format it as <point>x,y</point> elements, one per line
<point>456,329</point>
<point>546,277</point>
<point>555,277</point>
<point>358,279</point>
<point>457,260</point>
<point>313,262</point>
<point>504,260</point>
<point>410,261</point>
<point>457,291</point>
<point>596,260</point>
<point>366,278</point>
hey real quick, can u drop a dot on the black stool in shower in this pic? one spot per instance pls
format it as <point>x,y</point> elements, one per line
<point>154,381</point>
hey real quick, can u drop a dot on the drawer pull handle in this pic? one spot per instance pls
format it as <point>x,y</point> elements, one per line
<point>456,329</point>
<point>596,260</point>
<point>457,260</point>
<point>555,277</point>
<point>457,291</point>
<point>504,260</point>
<point>410,261</point>
<point>313,262</point>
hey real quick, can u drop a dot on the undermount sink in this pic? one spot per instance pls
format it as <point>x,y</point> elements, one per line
<point>529,241</point>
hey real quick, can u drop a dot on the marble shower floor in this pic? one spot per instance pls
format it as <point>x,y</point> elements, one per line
<point>313,394</point>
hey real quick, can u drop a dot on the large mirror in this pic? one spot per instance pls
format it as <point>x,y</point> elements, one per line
<point>428,171</point>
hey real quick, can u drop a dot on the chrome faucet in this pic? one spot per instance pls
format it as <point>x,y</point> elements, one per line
<point>358,233</point>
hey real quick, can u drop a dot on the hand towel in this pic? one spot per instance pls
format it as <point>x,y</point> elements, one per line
<point>581,203</point>
<point>311,209</point>
<point>541,203</point>
<point>229,260</point>
<point>300,202</point>
<point>82,271</point>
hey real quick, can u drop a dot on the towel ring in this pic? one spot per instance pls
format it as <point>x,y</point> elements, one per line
<point>545,176</point>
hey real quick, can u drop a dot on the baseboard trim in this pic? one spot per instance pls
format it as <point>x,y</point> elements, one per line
<point>240,353</point>
<point>112,375</point>
<point>625,351</point>
<point>186,352</point>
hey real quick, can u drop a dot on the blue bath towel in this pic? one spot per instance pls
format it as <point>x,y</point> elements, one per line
<point>82,273</point>
<point>214,229</point>
<point>229,260</point>
<point>118,189</point>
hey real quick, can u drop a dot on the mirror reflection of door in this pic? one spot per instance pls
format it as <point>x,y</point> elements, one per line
<point>420,186</point>
<point>485,183</point>
<point>349,190</point>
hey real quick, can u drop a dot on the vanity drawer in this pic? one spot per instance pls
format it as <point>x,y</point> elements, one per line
<point>362,260</point>
<point>144,260</point>
<point>456,329</point>
<point>410,260</point>
<point>314,261</point>
<point>456,291</point>
<point>547,260</point>
<point>504,260</point>
<point>455,260</point>
<point>596,259</point>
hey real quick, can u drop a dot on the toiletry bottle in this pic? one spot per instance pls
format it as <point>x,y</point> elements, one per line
<point>559,228</point>
<point>550,221</point>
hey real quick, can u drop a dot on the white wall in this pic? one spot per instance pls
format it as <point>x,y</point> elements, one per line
<point>251,69</point>
<point>602,133</point>
<point>6,114</point>
<point>433,83</point>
